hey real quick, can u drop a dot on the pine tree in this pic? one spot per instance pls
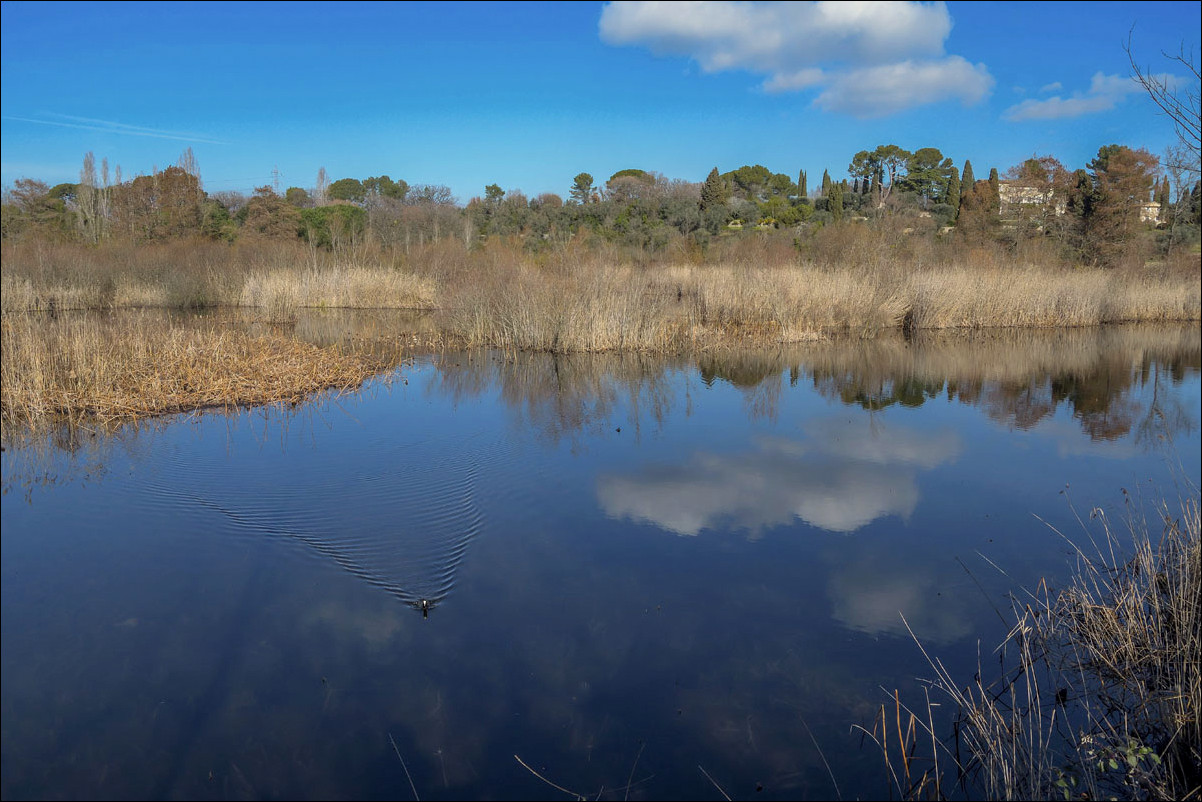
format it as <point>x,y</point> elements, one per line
<point>713,192</point>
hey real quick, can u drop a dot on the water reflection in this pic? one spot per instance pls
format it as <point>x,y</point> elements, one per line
<point>843,475</point>
<point>231,605</point>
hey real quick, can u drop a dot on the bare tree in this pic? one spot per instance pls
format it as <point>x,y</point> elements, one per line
<point>321,190</point>
<point>1177,99</point>
<point>88,201</point>
<point>187,163</point>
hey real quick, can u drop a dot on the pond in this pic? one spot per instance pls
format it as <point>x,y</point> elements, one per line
<point>627,576</point>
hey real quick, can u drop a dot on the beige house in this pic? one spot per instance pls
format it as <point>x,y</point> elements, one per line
<point>1015,195</point>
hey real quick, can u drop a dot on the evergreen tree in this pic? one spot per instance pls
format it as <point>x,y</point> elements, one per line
<point>953,191</point>
<point>802,190</point>
<point>826,184</point>
<point>582,188</point>
<point>1163,197</point>
<point>835,202</point>
<point>967,180</point>
<point>713,192</point>
<point>995,186</point>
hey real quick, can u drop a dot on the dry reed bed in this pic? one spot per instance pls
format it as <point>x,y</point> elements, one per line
<point>281,291</point>
<point>110,371</point>
<point>1102,694</point>
<point>588,299</point>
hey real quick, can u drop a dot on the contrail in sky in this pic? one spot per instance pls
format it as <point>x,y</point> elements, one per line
<point>110,127</point>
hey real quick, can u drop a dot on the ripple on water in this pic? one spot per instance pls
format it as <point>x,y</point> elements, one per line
<point>402,519</point>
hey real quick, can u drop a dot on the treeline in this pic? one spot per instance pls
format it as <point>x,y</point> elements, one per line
<point>1115,208</point>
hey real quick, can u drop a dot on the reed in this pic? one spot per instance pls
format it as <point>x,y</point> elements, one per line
<point>1102,697</point>
<point>592,297</point>
<point>104,371</point>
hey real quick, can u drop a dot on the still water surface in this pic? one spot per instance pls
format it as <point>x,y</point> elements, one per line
<point>635,572</point>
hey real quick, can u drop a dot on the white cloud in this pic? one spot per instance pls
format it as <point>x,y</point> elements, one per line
<point>890,88</point>
<point>1054,86</point>
<point>840,46</point>
<point>1105,92</point>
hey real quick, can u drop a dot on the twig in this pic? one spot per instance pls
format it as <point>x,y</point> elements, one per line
<point>711,779</point>
<point>630,779</point>
<point>834,782</point>
<point>526,766</point>
<point>412,787</point>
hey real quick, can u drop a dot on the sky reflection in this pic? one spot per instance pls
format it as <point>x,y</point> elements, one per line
<point>841,476</point>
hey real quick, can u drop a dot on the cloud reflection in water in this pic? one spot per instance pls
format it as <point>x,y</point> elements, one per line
<point>842,476</point>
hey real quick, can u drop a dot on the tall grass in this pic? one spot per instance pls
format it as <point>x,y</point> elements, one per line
<point>1102,697</point>
<point>103,371</point>
<point>582,297</point>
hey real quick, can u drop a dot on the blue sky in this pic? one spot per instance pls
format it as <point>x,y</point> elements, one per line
<point>528,95</point>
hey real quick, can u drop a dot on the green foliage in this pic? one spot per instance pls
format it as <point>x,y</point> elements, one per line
<point>582,189</point>
<point>967,180</point>
<point>493,194</point>
<point>332,226</point>
<point>347,189</point>
<point>714,192</point>
<point>297,197</point>
<point>384,187</point>
<point>632,172</point>
<point>953,193</point>
<point>757,183</point>
<point>835,202</point>
<point>31,208</point>
<point>927,174</point>
<point>216,223</point>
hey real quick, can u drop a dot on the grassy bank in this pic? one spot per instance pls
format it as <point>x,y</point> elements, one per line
<point>104,371</point>
<point>581,297</point>
<point>1101,696</point>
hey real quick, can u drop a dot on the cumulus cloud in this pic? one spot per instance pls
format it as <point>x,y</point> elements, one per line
<point>890,88</point>
<point>1054,86</point>
<point>843,47</point>
<point>1105,92</point>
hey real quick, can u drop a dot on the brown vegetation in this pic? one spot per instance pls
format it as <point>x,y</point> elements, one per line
<point>581,296</point>
<point>587,296</point>
<point>1103,695</point>
<point>104,371</point>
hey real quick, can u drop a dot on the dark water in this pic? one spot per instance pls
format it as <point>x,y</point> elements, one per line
<point>642,578</point>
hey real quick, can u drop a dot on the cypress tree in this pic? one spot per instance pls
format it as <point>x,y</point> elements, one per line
<point>713,192</point>
<point>802,191</point>
<point>826,184</point>
<point>995,188</point>
<point>835,203</point>
<point>1163,196</point>
<point>953,191</point>
<point>967,179</point>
